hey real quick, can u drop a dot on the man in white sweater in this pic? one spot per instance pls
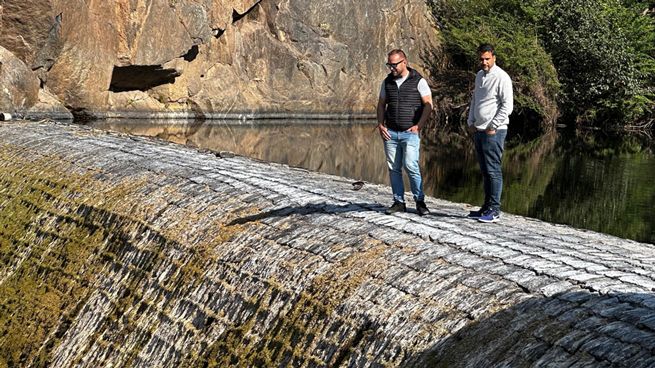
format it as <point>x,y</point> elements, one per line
<point>491,105</point>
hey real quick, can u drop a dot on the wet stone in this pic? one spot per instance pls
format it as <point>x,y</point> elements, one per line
<point>534,350</point>
<point>643,361</point>
<point>572,341</point>
<point>629,334</point>
<point>555,357</point>
<point>609,349</point>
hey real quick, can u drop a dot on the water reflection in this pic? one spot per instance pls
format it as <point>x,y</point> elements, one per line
<point>611,194</point>
<point>549,178</point>
<point>552,179</point>
<point>351,149</point>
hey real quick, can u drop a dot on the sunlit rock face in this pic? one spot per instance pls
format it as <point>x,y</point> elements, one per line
<point>124,251</point>
<point>19,87</point>
<point>206,57</point>
<point>20,93</point>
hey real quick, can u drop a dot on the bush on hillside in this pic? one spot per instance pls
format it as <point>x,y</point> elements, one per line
<point>591,59</point>
<point>511,27</point>
<point>603,51</point>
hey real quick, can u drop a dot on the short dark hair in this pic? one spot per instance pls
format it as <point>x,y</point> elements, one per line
<point>397,51</point>
<point>486,47</point>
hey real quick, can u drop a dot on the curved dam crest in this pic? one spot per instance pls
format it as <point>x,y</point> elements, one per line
<point>125,251</point>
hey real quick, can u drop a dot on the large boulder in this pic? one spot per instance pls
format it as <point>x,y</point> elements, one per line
<point>19,87</point>
<point>20,92</point>
<point>207,57</point>
<point>48,107</point>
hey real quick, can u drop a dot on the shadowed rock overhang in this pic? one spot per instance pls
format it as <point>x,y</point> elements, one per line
<point>140,77</point>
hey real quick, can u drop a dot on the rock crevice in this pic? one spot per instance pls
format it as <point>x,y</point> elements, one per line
<point>140,77</point>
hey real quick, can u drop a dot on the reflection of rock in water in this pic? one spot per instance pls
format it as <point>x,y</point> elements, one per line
<point>352,149</point>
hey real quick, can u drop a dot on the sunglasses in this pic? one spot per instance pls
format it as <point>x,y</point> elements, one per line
<point>394,65</point>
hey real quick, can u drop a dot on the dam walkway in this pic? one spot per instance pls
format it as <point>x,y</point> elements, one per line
<point>192,258</point>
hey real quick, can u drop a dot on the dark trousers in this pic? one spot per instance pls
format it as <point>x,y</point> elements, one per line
<point>489,150</point>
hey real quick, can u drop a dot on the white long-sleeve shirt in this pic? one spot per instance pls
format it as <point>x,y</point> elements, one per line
<point>493,100</point>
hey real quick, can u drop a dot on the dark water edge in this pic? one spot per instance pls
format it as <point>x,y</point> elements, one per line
<point>587,181</point>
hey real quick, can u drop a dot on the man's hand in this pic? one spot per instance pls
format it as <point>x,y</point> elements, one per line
<point>490,131</point>
<point>383,132</point>
<point>414,129</point>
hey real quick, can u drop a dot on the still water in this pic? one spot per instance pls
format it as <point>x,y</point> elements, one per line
<point>554,178</point>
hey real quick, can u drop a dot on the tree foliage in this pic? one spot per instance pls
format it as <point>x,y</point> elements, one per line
<point>509,25</point>
<point>603,51</point>
<point>594,59</point>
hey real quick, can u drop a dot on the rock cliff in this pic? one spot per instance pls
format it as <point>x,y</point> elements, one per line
<point>201,58</point>
<point>20,92</point>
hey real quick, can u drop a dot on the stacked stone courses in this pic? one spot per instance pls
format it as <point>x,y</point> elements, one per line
<point>118,250</point>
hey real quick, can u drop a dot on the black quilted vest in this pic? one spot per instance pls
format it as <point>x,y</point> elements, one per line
<point>404,104</point>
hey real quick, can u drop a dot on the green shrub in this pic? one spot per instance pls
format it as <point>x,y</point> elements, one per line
<point>511,27</point>
<point>603,51</point>
<point>592,59</point>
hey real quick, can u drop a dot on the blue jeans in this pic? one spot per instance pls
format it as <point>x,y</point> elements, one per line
<point>489,150</point>
<point>402,150</point>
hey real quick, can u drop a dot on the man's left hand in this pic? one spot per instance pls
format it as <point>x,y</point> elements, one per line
<point>491,131</point>
<point>413,129</point>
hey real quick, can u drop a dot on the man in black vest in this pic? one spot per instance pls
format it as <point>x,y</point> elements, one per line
<point>403,108</point>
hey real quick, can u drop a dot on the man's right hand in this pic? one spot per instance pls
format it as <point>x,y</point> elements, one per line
<point>384,133</point>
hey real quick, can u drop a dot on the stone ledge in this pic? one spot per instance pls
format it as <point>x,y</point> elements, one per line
<point>231,115</point>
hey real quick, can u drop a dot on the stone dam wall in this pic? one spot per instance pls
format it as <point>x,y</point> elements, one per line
<point>125,251</point>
